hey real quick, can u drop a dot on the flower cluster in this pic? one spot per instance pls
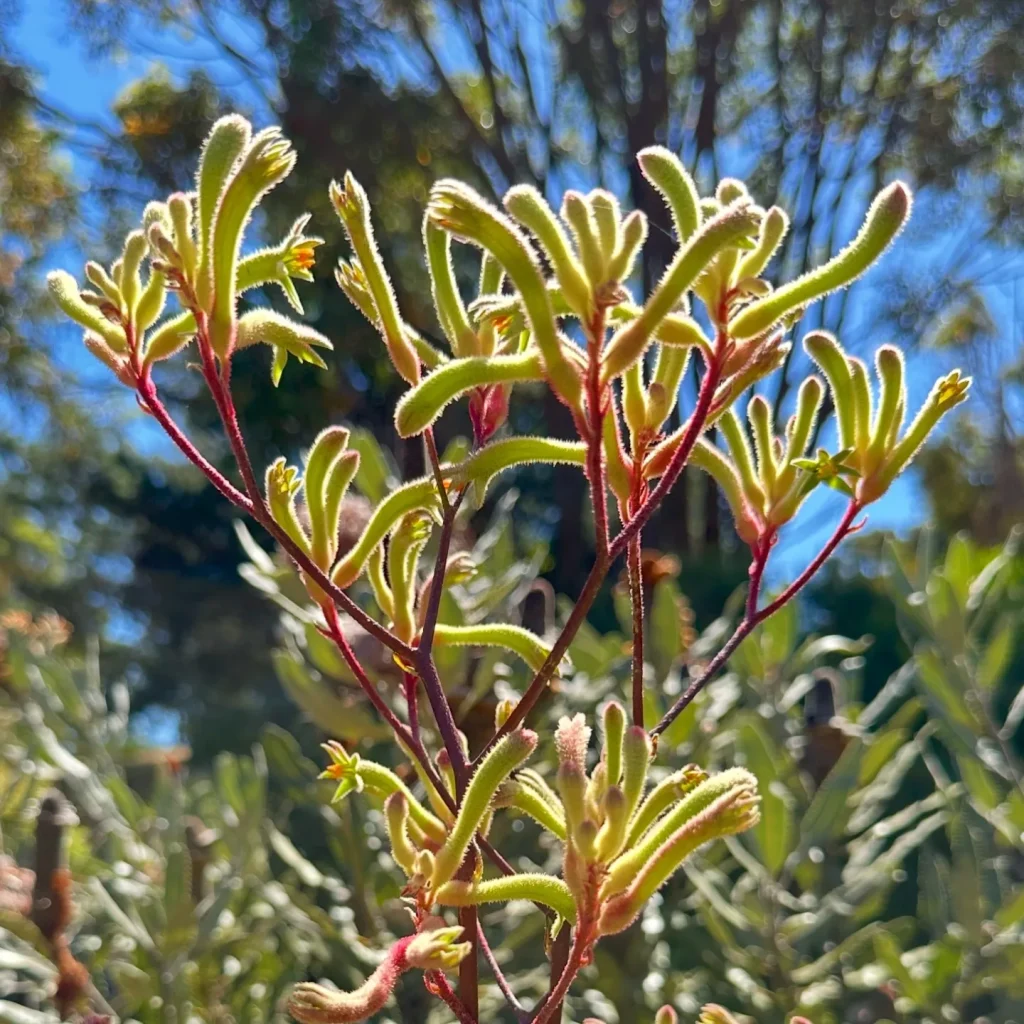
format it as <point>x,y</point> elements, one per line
<point>556,306</point>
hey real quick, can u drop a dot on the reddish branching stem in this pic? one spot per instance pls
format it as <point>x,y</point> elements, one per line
<point>595,579</point>
<point>437,984</point>
<point>636,595</point>
<point>753,616</point>
<point>522,1014</point>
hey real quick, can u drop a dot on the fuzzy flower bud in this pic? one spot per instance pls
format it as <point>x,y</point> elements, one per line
<point>507,755</point>
<point>353,209</point>
<point>432,950</point>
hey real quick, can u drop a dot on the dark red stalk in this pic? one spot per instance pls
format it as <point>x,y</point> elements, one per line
<point>592,586</point>
<point>753,617</point>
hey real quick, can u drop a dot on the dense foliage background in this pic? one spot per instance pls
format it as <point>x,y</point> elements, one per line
<point>884,882</point>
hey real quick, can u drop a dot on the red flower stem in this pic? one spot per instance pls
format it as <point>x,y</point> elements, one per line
<point>438,984</point>
<point>469,966</point>
<point>592,586</point>
<point>435,467</point>
<point>522,1014</point>
<point>336,634</point>
<point>561,946</point>
<point>636,599</point>
<point>753,617</point>
<point>695,427</point>
<point>634,570</point>
<point>553,1003</point>
<point>253,502</point>
<point>150,401</point>
<point>423,656</point>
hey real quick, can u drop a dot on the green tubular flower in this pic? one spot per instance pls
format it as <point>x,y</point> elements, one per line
<point>823,348</point>
<point>634,399</point>
<point>608,218</point>
<point>416,494</point>
<point>746,515</point>
<point>636,758</point>
<point>481,467</point>
<point>735,225</point>
<point>323,456</point>
<point>169,338</point>
<point>530,779</point>
<point>614,720</point>
<point>451,312</point>
<point>282,484</point>
<point>948,392</point>
<point>733,811</point>
<point>523,797</point>
<point>423,404</point>
<point>519,641</point>
<point>626,869</point>
<point>227,141</point>
<point>285,337</point>
<point>862,405</point>
<point>571,781</point>
<point>179,211</point>
<point>353,208</point>
<point>666,173</point>
<point>799,432</point>
<point>352,281</point>
<point>670,790</point>
<point>396,816</point>
<point>889,366</point>
<point>100,279</point>
<point>663,392</point>
<point>267,162</point>
<point>441,810</point>
<point>151,302</point>
<point>290,260</point>
<point>577,213</point>
<point>759,412</point>
<point>463,213</point>
<point>742,458</point>
<point>64,291</point>
<point>618,473</point>
<point>612,835</point>
<point>378,581</point>
<point>506,755</point>
<point>355,774</point>
<point>528,207</point>
<point>773,231</point>
<point>885,219</point>
<point>544,889</point>
<point>632,237</point>
<point>408,539</point>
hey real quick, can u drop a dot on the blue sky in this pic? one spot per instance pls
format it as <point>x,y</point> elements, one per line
<point>86,86</point>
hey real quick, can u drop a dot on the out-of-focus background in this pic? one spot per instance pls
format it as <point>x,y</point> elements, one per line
<point>123,579</point>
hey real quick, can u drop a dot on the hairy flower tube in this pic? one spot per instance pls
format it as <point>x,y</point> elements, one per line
<point>432,950</point>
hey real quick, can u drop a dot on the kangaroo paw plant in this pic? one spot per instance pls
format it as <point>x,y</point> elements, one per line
<point>555,305</point>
